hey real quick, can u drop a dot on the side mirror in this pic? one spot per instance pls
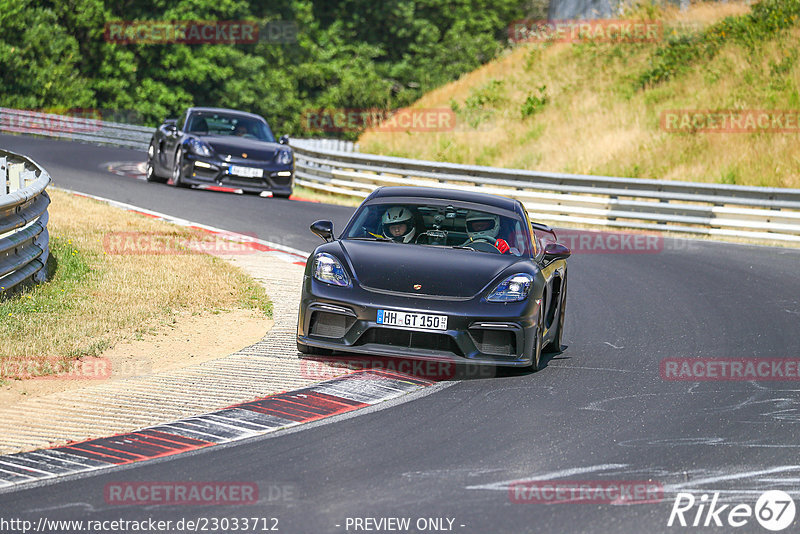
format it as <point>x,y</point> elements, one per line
<point>324,229</point>
<point>171,125</point>
<point>284,140</point>
<point>556,251</point>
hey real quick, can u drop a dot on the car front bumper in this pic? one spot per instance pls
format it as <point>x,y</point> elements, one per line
<point>278,179</point>
<point>345,320</point>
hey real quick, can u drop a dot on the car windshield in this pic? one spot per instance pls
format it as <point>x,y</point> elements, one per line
<point>440,225</point>
<point>206,123</point>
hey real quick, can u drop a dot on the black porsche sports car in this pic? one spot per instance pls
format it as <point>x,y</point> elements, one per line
<point>221,148</point>
<point>436,274</point>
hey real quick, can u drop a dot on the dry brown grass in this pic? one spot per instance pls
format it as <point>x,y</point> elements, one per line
<point>596,122</point>
<point>315,195</point>
<point>96,298</point>
<point>705,13</point>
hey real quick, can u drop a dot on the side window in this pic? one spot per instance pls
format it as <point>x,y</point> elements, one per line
<point>519,239</point>
<point>368,223</point>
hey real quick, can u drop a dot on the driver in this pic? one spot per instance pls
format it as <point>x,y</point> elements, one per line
<point>485,227</point>
<point>240,130</point>
<point>398,224</point>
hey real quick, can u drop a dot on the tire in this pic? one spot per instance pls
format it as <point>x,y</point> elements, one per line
<point>536,355</point>
<point>313,351</point>
<point>150,172</point>
<point>281,195</point>
<point>555,346</point>
<point>177,171</point>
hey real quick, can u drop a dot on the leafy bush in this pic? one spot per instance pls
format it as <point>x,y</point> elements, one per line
<point>487,96</point>
<point>348,54</point>
<point>481,103</point>
<point>767,19</point>
<point>534,104</point>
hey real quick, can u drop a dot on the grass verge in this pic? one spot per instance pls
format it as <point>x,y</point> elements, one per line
<point>315,195</point>
<point>100,293</point>
<point>597,107</point>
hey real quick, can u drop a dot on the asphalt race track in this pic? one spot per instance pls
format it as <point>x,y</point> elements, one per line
<point>599,411</point>
<point>80,167</point>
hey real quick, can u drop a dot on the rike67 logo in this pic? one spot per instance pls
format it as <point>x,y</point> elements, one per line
<point>774,510</point>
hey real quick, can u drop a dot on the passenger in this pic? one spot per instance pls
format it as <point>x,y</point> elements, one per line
<point>398,224</point>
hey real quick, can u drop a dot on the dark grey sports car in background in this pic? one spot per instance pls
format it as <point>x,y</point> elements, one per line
<point>215,147</point>
<point>436,274</point>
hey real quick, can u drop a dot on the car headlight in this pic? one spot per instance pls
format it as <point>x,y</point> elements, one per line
<point>198,148</point>
<point>328,269</point>
<point>284,157</point>
<point>512,289</point>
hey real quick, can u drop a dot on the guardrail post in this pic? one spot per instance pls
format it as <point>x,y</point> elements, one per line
<point>14,176</point>
<point>27,178</point>
<point>3,177</point>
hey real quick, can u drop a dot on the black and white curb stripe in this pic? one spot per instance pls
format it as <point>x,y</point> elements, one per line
<point>269,414</point>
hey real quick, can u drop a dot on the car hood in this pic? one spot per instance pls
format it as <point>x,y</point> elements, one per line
<point>440,271</point>
<point>236,146</point>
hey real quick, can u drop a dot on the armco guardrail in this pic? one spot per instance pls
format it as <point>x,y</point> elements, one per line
<point>337,166</point>
<point>112,133</point>
<point>76,128</point>
<point>697,208</point>
<point>337,145</point>
<point>24,241</point>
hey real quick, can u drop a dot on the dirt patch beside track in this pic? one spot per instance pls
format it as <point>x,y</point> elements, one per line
<point>188,340</point>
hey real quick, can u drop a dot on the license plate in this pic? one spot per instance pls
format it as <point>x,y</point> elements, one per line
<point>419,321</point>
<point>247,172</point>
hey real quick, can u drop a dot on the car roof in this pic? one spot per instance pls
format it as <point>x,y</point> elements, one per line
<point>225,110</point>
<point>497,201</point>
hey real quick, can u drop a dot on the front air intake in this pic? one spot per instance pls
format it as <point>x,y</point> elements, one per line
<point>495,342</point>
<point>412,339</point>
<point>324,324</point>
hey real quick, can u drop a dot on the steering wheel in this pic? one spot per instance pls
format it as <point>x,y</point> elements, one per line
<point>483,244</point>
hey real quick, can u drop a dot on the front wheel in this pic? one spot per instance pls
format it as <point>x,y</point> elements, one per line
<point>150,172</point>
<point>177,171</point>
<point>536,355</point>
<point>555,345</point>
